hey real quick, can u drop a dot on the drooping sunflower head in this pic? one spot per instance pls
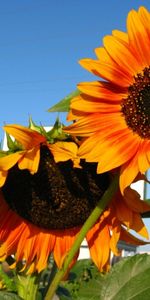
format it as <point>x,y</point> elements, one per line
<point>42,209</point>
<point>57,196</point>
<point>113,114</point>
<point>46,195</point>
<point>45,174</point>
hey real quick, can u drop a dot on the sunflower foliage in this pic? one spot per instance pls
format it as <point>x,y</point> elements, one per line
<point>127,279</point>
<point>64,104</point>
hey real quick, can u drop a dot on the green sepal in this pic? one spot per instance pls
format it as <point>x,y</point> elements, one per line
<point>56,133</point>
<point>12,144</point>
<point>27,286</point>
<point>64,104</point>
<point>33,126</point>
<point>3,153</point>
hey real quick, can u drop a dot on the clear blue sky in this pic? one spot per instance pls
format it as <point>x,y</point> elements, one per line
<point>41,42</point>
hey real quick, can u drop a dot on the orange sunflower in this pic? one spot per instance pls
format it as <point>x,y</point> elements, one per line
<point>46,196</point>
<point>113,115</point>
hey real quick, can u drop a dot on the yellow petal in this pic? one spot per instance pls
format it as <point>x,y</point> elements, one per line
<point>30,160</point>
<point>63,151</point>
<point>3,176</point>
<point>8,161</point>
<point>27,137</point>
<point>121,35</point>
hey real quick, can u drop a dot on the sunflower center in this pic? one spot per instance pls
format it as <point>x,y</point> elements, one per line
<point>136,107</point>
<point>58,196</point>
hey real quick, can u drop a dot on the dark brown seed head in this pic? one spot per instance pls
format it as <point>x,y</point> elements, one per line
<point>58,196</point>
<point>136,107</point>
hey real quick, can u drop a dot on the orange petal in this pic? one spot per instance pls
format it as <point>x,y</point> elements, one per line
<point>143,161</point>
<point>123,213</point>
<point>108,72</point>
<point>122,55</point>
<point>89,106</point>
<point>116,152</point>
<point>64,242</point>
<point>128,173</point>
<point>129,238</point>
<point>26,136</point>
<point>115,229</point>
<point>138,39</point>
<point>109,148</point>
<point>101,124</point>
<point>98,239</point>
<point>139,226</point>
<point>132,199</point>
<point>44,247</point>
<point>145,18</point>
<point>100,90</point>
<point>22,242</point>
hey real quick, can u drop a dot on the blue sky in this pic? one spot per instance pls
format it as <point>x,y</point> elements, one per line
<point>41,42</point>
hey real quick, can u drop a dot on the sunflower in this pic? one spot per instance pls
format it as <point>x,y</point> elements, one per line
<point>113,114</point>
<point>46,195</point>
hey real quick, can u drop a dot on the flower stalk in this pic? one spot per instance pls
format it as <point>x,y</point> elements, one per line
<point>103,202</point>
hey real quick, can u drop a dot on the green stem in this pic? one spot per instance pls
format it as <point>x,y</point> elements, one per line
<point>106,198</point>
<point>51,277</point>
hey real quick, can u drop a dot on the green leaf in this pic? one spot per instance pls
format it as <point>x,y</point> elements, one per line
<point>9,296</point>
<point>7,280</point>
<point>63,105</point>
<point>83,272</point>
<point>127,279</point>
